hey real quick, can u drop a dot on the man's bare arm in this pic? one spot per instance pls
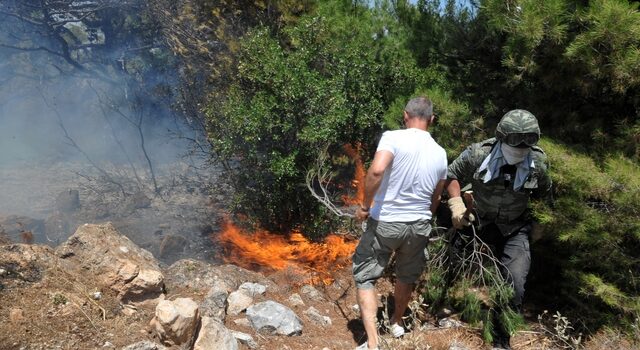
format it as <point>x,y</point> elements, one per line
<point>381,161</point>
<point>437,195</point>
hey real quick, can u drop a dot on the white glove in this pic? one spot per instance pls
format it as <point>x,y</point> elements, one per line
<point>458,209</point>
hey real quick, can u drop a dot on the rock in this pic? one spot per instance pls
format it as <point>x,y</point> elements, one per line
<point>144,345</point>
<point>68,201</point>
<point>129,309</point>
<point>214,335</point>
<point>235,276</point>
<point>356,309</point>
<point>252,289</point>
<point>22,262</point>
<point>116,262</point>
<point>457,346</point>
<point>295,300</point>
<point>314,315</point>
<point>243,322</point>
<point>196,274</point>
<point>245,339</point>
<point>445,312</point>
<point>270,317</point>
<point>215,302</point>
<point>175,321</point>
<point>16,315</point>
<point>449,323</point>
<point>238,301</point>
<point>310,292</point>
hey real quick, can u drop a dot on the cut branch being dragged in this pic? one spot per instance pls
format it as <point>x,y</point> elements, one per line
<point>475,261</point>
<point>463,272</point>
<point>317,180</point>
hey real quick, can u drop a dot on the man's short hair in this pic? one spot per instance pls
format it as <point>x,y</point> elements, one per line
<point>420,107</point>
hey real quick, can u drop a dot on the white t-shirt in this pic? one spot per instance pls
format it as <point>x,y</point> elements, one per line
<point>419,163</point>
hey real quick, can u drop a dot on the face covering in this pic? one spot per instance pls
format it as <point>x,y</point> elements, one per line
<point>514,155</point>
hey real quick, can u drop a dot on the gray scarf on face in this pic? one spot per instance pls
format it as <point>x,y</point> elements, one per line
<point>495,160</point>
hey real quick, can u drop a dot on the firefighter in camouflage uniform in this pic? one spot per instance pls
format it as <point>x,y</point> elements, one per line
<point>504,173</point>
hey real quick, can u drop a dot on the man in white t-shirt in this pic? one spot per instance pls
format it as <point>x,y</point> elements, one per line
<point>402,189</point>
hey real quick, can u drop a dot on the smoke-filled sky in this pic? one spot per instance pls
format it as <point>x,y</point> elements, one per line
<point>46,106</point>
<point>33,113</point>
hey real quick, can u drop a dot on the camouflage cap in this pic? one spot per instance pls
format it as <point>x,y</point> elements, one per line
<point>517,121</point>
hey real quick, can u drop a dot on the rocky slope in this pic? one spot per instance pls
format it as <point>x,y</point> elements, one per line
<point>99,290</point>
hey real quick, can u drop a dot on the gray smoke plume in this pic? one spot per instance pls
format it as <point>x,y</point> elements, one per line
<point>88,133</point>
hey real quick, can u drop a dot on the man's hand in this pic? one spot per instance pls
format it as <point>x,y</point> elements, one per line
<point>362,214</point>
<point>458,211</point>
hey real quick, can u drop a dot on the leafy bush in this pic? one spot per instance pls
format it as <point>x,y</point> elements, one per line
<point>314,86</point>
<point>594,233</point>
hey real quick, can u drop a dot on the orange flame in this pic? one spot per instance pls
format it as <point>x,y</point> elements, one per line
<point>262,249</point>
<point>358,178</point>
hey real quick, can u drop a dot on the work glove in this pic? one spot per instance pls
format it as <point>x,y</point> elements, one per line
<point>458,209</point>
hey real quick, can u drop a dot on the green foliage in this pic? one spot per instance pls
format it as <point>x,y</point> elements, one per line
<point>471,308</point>
<point>512,321</point>
<point>609,44</point>
<point>596,223</point>
<point>455,125</point>
<point>574,65</point>
<point>529,24</point>
<point>323,82</point>
<point>330,79</point>
<point>459,275</point>
<point>341,73</point>
<point>488,327</point>
<point>608,293</point>
<point>435,285</point>
<point>59,299</point>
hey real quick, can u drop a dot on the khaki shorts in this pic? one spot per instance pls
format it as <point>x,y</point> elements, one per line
<point>380,240</point>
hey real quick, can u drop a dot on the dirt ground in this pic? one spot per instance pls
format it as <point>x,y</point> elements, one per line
<point>48,308</point>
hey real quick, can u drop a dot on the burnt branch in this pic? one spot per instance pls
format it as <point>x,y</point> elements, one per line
<point>137,123</point>
<point>115,136</point>
<point>144,151</point>
<point>73,143</point>
<point>317,180</point>
<point>44,49</point>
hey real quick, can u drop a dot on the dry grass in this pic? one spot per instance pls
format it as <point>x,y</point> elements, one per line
<point>436,339</point>
<point>611,339</point>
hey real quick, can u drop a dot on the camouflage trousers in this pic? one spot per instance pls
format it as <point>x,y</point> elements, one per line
<point>512,251</point>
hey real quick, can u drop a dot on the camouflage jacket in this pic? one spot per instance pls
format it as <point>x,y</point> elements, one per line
<point>496,201</point>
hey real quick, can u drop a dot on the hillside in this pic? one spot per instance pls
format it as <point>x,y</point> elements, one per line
<point>97,290</point>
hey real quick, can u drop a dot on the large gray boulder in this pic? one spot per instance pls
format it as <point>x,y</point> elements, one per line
<point>214,304</point>
<point>270,317</point>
